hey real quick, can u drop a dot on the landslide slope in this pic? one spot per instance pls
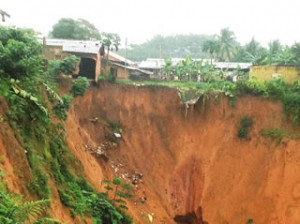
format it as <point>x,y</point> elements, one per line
<point>192,162</point>
<point>187,164</point>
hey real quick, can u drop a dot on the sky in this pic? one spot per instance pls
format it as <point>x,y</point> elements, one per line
<point>140,20</point>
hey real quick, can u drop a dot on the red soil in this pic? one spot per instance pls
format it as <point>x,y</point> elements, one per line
<point>194,167</point>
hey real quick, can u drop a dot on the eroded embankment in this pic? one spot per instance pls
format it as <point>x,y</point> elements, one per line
<point>187,165</point>
<point>197,161</point>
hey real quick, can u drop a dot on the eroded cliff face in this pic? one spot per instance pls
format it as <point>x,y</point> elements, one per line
<point>196,161</point>
<point>191,166</point>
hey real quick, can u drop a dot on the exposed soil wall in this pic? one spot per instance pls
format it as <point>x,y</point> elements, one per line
<point>191,166</point>
<point>197,161</point>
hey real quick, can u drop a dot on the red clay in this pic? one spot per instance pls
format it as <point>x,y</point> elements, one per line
<point>192,165</point>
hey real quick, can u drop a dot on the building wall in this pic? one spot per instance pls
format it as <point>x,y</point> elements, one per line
<point>54,53</point>
<point>121,73</point>
<point>266,72</point>
<point>98,67</point>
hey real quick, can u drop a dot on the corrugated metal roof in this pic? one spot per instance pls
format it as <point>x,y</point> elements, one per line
<point>75,46</point>
<point>157,63</point>
<point>232,65</point>
<point>115,57</point>
<point>152,63</point>
<point>81,49</point>
<point>132,68</point>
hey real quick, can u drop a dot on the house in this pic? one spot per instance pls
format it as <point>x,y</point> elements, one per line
<point>87,51</point>
<point>123,68</point>
<point>156,65</point>
<point>268,72</point>
<point>232,66</point>
<point>91,63</point>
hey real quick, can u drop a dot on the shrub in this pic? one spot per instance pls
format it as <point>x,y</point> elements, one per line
<point>19,52</point>
<point>80,86</point>
<point>245,123</point>
<point>106,76</point>
<point>291,106</point>
<point>273,132</point>
<point>68,64</point>
<point>60,109</point>
<point>276,88</point>
<point>252,86</point>
<point>15,210</point>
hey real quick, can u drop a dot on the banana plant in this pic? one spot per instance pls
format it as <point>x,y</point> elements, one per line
<point>17,90</point>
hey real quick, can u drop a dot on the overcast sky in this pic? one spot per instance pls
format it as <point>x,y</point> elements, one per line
<point>140,20</point>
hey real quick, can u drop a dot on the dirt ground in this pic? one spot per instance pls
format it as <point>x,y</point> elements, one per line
<point>186,164</point>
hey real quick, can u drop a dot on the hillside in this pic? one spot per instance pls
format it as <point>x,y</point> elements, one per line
<point>187,166</point>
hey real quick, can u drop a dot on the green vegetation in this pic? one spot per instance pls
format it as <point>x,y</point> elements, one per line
<point>106,76</point>
<point>114,125</point>
<point>68,64</point>
<point>120,191</point>
<point>65,66</point>
<point>61,107</point>
<point>79,87</point>
<point>19,53</point>
<point>45,146</point>
<point>276,89</point>
<point>277,133</point>
<point>80,29</point>
<point>250,221</point>
<point>291,106</point>
<point>245,124</point>
<point>167,46</point>
<point>15,210</point>
<point>219,47</point>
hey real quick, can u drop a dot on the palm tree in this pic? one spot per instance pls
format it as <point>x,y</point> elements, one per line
<point>275,47</point>
<point>109,40</point>
<point>253,47</point>
<point>227,44</point>
<point>285,57</point>
<point>253,52</point>
<point>295,49</point>
<point>212,46</point>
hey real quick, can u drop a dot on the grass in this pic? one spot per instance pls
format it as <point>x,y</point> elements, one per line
<point>278,134</point>
<point>189,84</point>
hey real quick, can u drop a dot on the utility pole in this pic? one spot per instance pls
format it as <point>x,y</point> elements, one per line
<point>125,55</point>
<point>3,15</point>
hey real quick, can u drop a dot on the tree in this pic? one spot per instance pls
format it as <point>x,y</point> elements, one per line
<point>274,48</point>
<point>19,52</point>
<point>251,52</point>
<point>80,29</point>
<point>253,47</point>
<point>168,67</point>
<point>227,44</point>
<point>84,30</point>
<point>295,49</point>
<point>109,40</point>
<point>285,57</point>
<point>212,46</point>
<point>175,46</point>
